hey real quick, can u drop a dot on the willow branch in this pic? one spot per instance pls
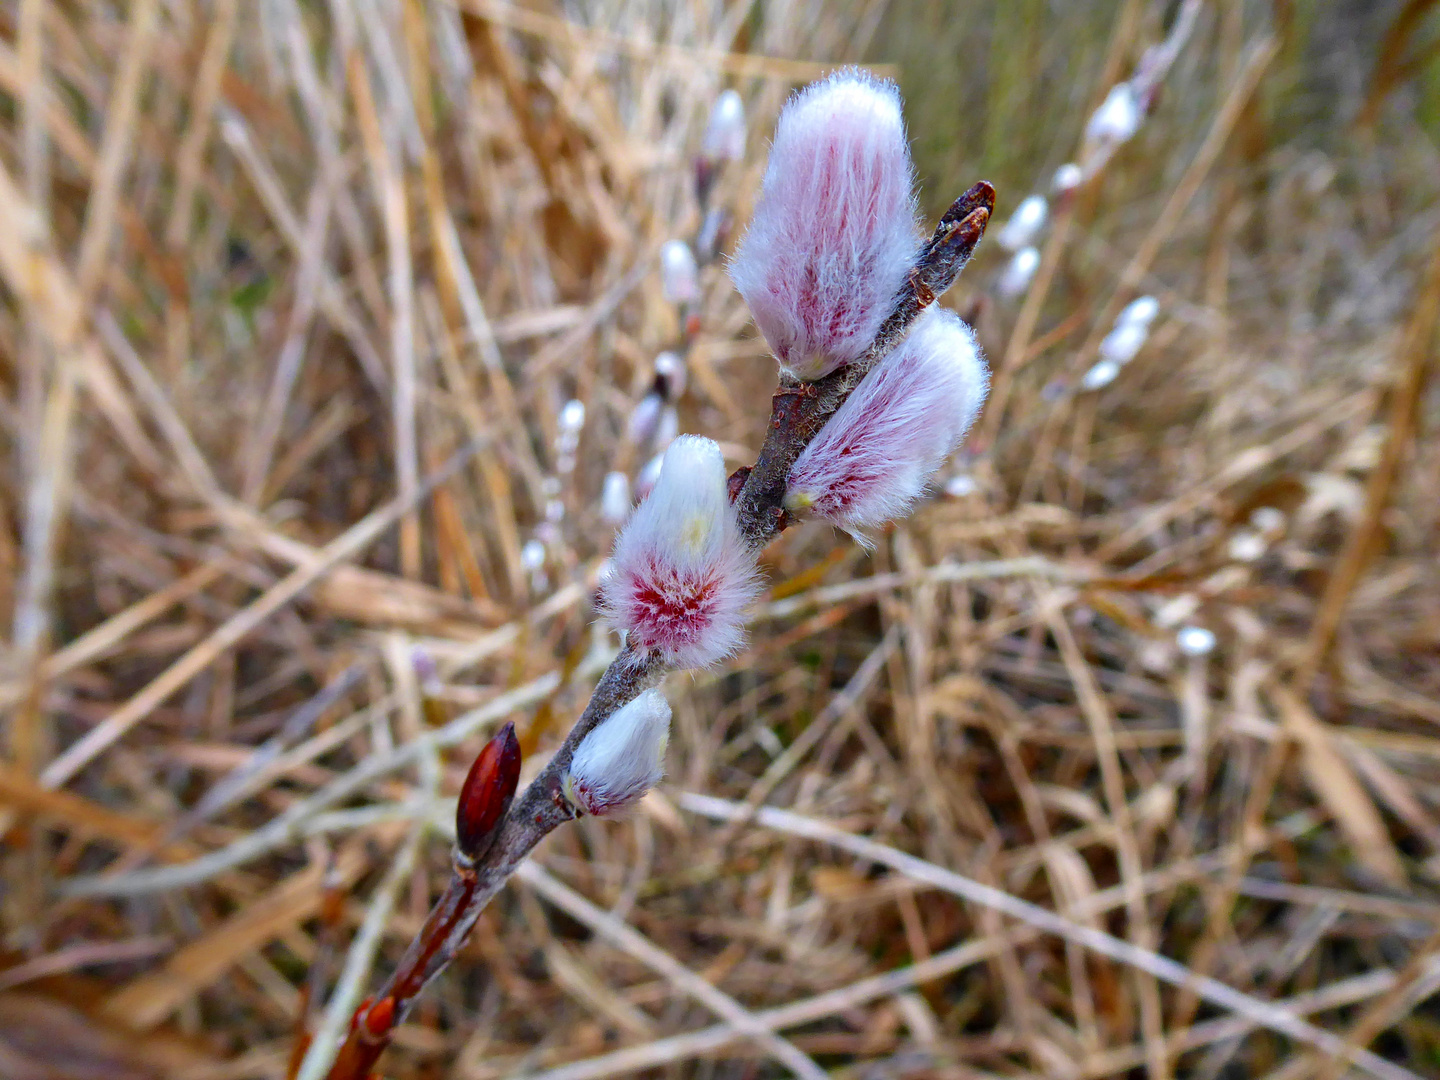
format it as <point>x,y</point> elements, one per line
<point>798,411</point>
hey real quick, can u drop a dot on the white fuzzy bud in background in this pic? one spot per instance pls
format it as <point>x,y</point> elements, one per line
<point>532,555</point>
<point>1101,375</point>
<point>724,138</point>
<point>572,416</point>
<point>834,233</point>
<point>1139,312</point>
<point>958,487</point>
<point>670,366</point>
<point>615,498</point>
<point>1018,273</point>
<point>645,482</point>
<point>1268,520</point>
<point>532,558</point>
<point>426,671</point>
<point>1131,330</point>
<point>1025,224</point>
<point>1121,344</point>
<point>873,458</point>
<point>667,428</point>
<point>1246,546</point>
<point>644,418</point>
<point>679,276</point>
<point>622,758</point>
<point>683,573</point>
<point>1067,178</point>
<point>1115,121</point>
<point>1176,610</point>
<point>1195,641</point>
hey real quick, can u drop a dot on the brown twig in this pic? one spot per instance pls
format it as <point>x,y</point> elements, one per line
<point>798,411</point>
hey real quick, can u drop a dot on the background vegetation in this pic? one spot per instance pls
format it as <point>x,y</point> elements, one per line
<point>266,267</point>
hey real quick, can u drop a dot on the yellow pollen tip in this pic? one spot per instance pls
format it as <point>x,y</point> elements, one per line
<point>694,532</point>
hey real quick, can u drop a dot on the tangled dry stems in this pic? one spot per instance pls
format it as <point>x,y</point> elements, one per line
<point>259,288</point>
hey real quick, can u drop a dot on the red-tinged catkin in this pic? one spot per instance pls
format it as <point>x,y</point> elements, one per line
<point>834,232</point>
<point>487,792</point>
<point>682,573</point>
<point>873,458</point>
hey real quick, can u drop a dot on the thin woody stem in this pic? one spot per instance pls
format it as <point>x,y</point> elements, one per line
<point>798,411</point>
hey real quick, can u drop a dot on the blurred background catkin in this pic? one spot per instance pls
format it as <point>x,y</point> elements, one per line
<point>1162,654</point>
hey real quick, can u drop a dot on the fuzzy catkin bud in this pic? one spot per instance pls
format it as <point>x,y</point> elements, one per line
<point>644,419</point>
<point>1121,344</point>
<point>1018,273</point>
<point>834,231</point>
<point>670,375</point>
<point>679,276</point>
<point>615,497</point>
<point>1131,329</point>
<point>724,138</point>
<point>572,416</point>
<point>873,457</point>
<point>1140,311</point>
<point>683,573</point>
<point>1025,224</point>
<point>1116,120</point>
<point>1195,641</point>
<point>1100,376</point>
<point>622,758</point>
<point>1067,178</point>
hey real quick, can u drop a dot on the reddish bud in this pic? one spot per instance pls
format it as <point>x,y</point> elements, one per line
<point>486,793</point>
<point>381,1017</point>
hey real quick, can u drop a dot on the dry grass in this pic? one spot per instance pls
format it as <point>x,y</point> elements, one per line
<point>293,297</point>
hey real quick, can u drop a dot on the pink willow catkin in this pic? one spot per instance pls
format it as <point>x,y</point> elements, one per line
<point>871,461</point>
<point>682,573</point>
<point>834,233</point>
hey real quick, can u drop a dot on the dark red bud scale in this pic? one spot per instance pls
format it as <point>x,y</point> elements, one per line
<point>736,481</point>
<point>485,796</point>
